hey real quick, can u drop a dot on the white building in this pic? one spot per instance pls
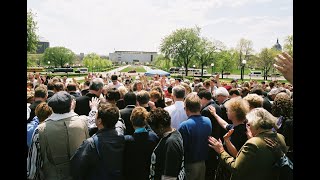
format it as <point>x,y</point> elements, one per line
<point>132,56</point>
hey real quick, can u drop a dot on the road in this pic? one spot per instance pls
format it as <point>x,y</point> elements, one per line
<point>147,68</point>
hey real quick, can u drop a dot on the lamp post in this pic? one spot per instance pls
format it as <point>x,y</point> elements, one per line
<point>243,63</point>
<point>182,67</point>
<point>212,65</point>
<point>194,66</point>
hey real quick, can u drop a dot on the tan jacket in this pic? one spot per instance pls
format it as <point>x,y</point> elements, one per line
<point>254,160</point>
<point>59,139</point>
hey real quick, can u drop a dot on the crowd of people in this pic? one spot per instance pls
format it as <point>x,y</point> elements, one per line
<point>121,127</point>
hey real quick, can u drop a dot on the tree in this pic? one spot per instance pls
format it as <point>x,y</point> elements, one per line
<point>206,50</point>
<point>162,62</point>
<point>288,45</point>
<point>225,61</point>
<point>58,56</point>
<point>244,48</point>
<point>266,60</point>
<point>32,37</point>
<point>94,61</point>
<point>181,46</point>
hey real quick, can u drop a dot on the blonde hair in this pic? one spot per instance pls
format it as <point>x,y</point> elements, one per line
<point>238,106</point>
<point>122,90</point>
<point>254,100</point>
<point>192,103</point>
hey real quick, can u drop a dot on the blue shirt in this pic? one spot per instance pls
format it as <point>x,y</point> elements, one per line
<point>195,132</point>
<point>30,129</point>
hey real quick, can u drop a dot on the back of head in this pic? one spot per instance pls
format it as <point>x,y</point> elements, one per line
<point>113,94</point>
<point>130,98</point>
<point>122,90</point>
<point>60,102</point>
<point>58,86</point>
<point>109,114</point>
<point>43,111</point>
<point>192,103</point>
<point>143,97</point>
<point>282,105</point>
<point>96,84</point>
<point>221,91</point>
<point>254,100</point>
<point>205,94</point>
<point>261,118</point>
<point>257,91</point>
<point>159,118</point>
<point>71,87</point>
<point>139,116</point>
<point>41,92</point>
<point>179,92</point>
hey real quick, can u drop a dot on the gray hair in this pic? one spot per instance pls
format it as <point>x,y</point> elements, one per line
<point>261,118</point>
<point>96,84</point>
<point>222,92</point>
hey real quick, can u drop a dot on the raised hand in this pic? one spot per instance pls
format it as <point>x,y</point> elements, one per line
<point>94,103</point>
<point>284,64</point>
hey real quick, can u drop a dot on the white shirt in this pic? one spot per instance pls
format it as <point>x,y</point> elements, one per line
<point>177,113</point>
<point>111,85</point>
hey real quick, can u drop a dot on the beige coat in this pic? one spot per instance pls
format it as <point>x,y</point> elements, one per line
<point>58,142</point>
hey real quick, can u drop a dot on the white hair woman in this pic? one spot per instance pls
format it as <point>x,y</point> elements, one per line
<point>255,159</point>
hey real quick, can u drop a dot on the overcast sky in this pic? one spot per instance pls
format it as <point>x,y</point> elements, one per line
<point>102,26</point>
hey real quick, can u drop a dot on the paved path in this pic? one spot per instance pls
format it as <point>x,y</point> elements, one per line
<point>147,68</point>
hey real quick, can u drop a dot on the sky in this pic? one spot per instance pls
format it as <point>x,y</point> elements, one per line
<point>105,26</point>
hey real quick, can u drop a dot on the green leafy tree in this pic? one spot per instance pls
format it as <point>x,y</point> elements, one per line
<point>32,37</point>
<point>94,62</point>
<point>266,60</point>
<point>206,50</point>
<point>58,56</point>
<point>226,61</point>
<point>180,46</point>
<point>162,62</point>
<point>288,45</point>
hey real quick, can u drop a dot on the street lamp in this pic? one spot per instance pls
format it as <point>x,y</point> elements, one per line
<point>243,63</point>
<point>212,65</point>
<point>193,70</point>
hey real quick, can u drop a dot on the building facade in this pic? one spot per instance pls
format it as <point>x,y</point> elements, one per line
<point>132,56</point>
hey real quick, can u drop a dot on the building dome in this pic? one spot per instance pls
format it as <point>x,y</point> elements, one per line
<point>277,46</point>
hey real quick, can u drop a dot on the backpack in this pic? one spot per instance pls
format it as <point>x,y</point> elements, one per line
<point>284,168</point>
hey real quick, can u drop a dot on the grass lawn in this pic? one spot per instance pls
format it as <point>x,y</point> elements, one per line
<point>137,68</point>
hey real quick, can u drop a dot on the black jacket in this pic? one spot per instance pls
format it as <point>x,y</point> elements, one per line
<point>87,164</point>
<point>137,154</point>
<point>125,115</point>
<point>82,104</point>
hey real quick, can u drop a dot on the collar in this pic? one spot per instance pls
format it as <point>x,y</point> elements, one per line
<point>168,133</point>
<point>130,106</point>
<point>140,130</point>
<point>179,103</point>
<point>56,117</point>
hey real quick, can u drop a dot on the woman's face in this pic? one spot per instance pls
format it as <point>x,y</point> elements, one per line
<point>139,87</point>
<point>231,115</point>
